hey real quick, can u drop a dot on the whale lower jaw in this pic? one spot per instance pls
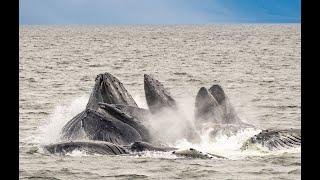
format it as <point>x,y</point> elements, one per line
<point>89,147</point>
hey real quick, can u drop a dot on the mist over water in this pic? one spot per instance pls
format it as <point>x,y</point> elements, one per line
<point>169,125</point>
<point>258,66</point>
<point>50,132</point>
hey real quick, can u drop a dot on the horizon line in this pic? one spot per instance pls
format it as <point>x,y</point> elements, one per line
<point>220,23</point>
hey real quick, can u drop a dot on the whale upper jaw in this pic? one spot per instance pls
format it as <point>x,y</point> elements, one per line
<point>108,89</point>
<point>157,96</point>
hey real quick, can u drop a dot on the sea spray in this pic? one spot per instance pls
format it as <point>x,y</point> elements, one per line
<point>50,131</point>
<point>141,101</point>
<point>223,145</point>
<point>167,126</point>
<point>170,125</point>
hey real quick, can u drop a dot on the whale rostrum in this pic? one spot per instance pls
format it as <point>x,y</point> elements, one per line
<point>108,89</point>
<point>156,95</point>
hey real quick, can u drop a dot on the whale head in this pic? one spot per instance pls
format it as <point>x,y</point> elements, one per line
<point>108,89</point>
<point>157,96</point>
<point>207,108</point>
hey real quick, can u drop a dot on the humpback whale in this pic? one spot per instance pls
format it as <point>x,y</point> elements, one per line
<point>156,95</point>
<point>207,108</point>
<point>100,121</point>
<point>214,106</point>
<point>275,139</point>
<point>214,110</point>
<point>112,122</point>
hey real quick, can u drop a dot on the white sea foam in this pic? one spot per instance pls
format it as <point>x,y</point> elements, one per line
<point>77,153</point>
<point>230,146</point>
<point>140,100</point>
<point>50,131</point>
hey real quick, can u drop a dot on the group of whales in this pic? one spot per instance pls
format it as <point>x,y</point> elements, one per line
<point>112,122</point>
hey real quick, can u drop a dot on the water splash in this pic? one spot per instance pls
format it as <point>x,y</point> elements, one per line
<point>78,153</point>
<point>50,131</point>
<point>227,146</point>
<point>141,101</point>
<point>230,146</point>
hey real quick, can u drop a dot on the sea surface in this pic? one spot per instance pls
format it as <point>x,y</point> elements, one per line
<point>258,65</point>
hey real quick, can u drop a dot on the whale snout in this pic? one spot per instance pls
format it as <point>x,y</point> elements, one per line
<point>149,80</point>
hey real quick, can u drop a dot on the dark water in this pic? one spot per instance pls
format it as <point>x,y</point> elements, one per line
<point>257,65</point>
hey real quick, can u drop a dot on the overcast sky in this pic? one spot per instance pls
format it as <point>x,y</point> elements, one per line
<point>158,11</point>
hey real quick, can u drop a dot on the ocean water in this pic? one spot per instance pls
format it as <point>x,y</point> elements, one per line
<point>258,65</point>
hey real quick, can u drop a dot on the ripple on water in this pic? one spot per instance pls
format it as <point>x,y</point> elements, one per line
<point>180,73</point>
<point>40,177</point>
<point>295,171</point>
<point>128,176</point>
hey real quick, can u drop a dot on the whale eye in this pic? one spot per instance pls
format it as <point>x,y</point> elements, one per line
<point>191,149</point>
